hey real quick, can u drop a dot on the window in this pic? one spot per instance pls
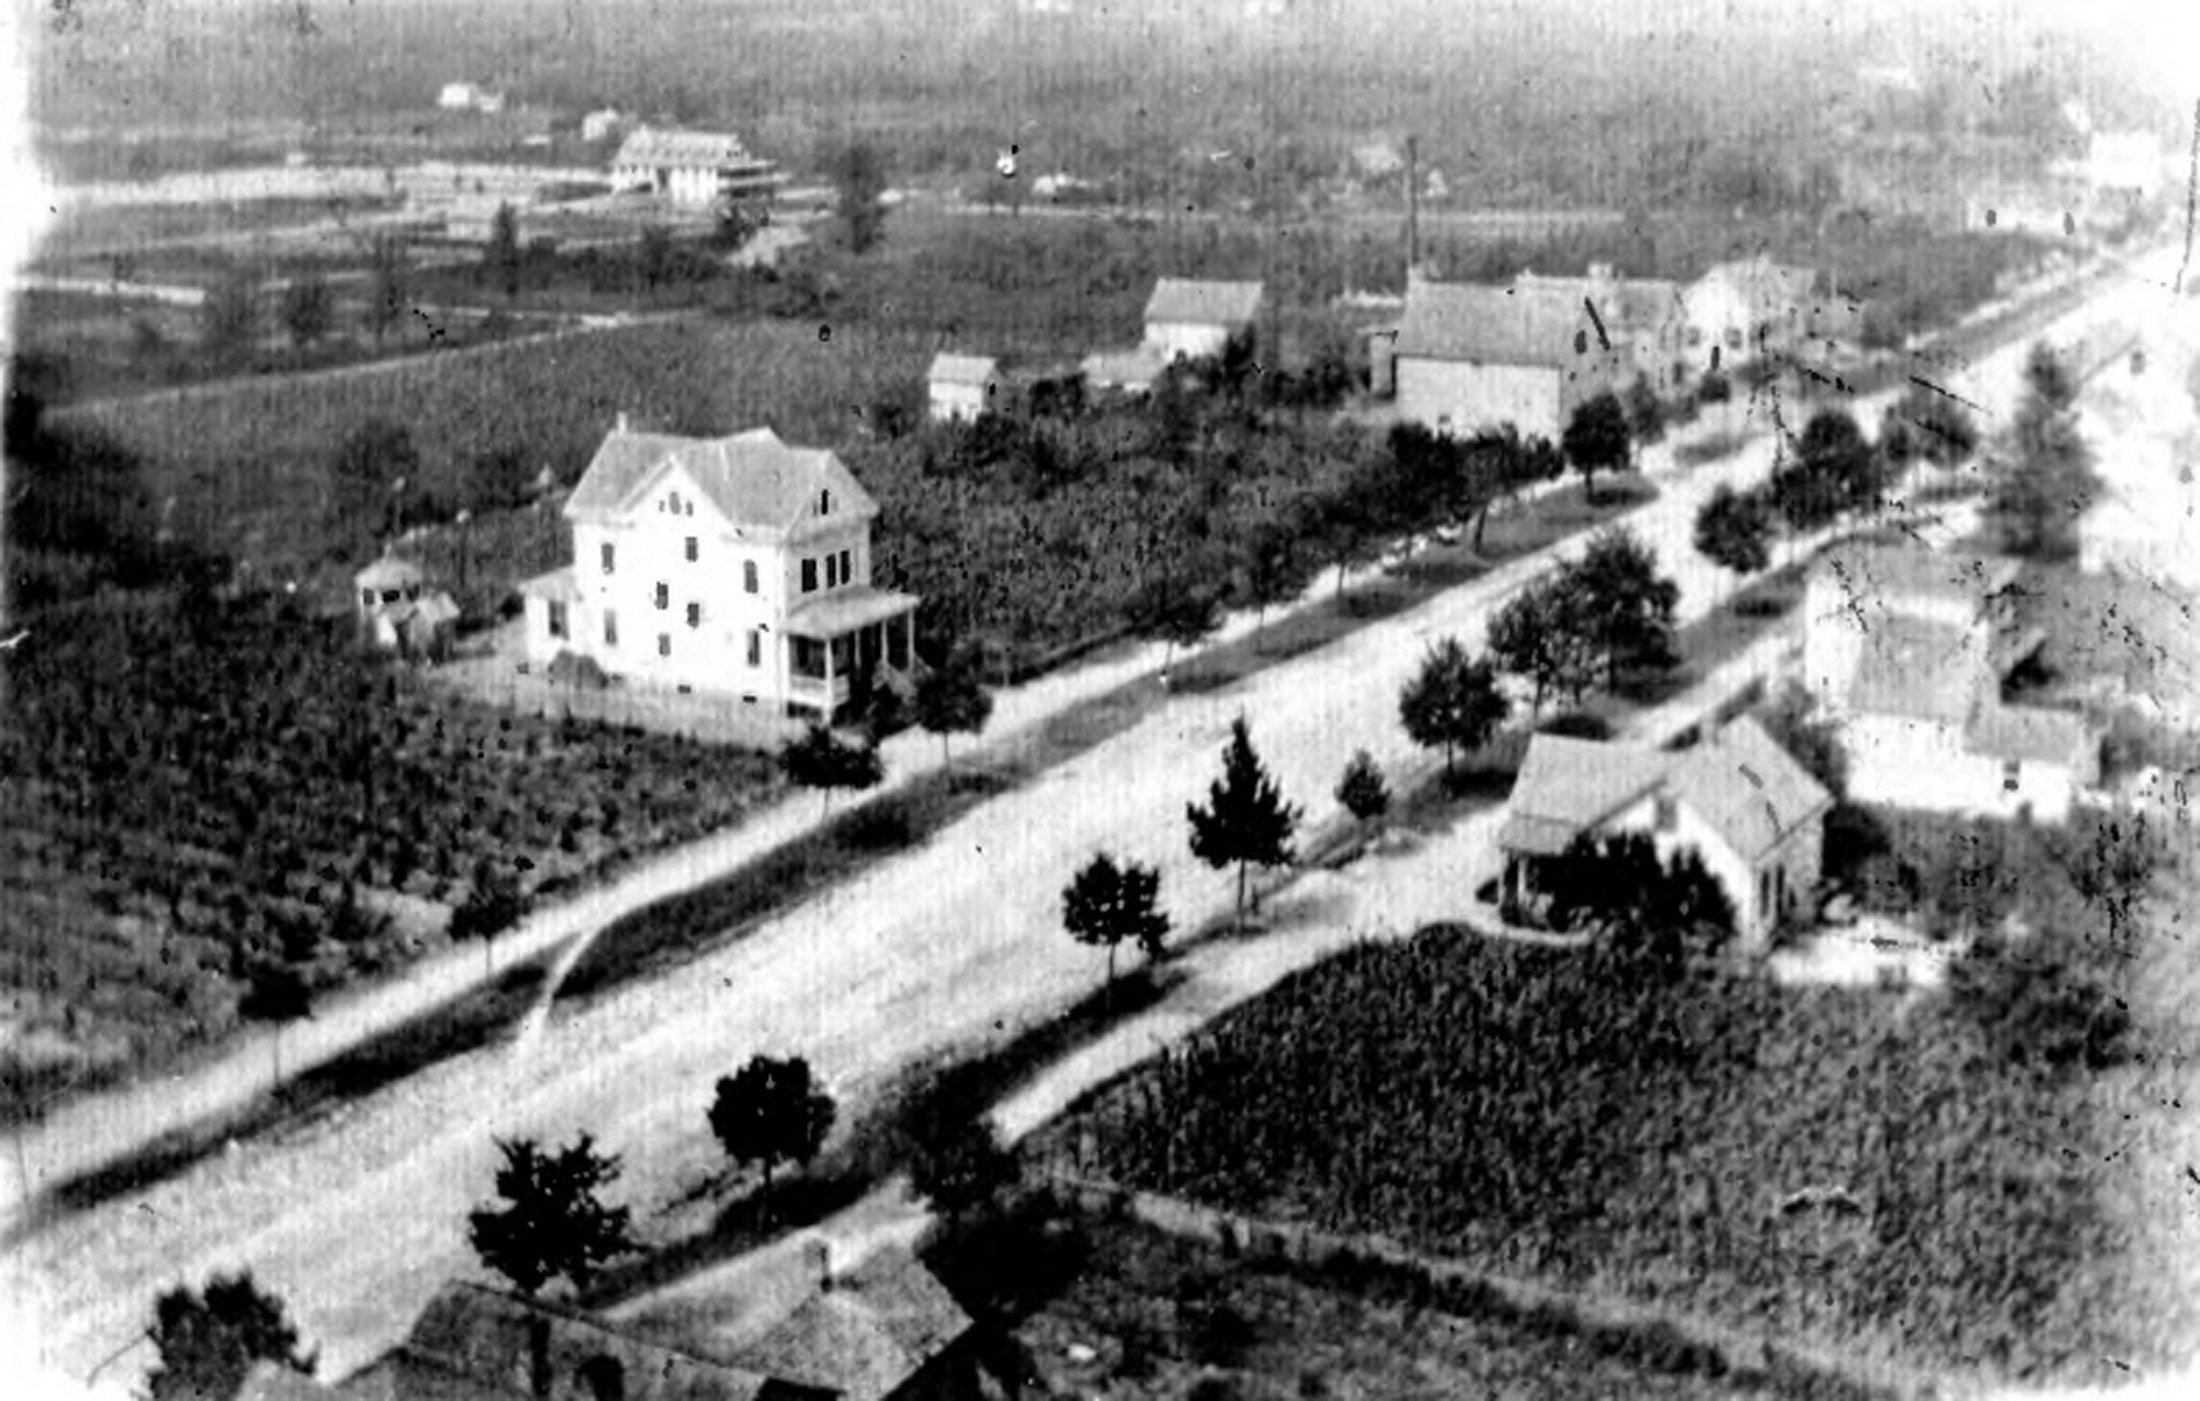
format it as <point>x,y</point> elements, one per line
<point>664,595</point>
<point>664,644</point>
<point>1695,337</point>
<point>1668,812</point>
<point>557,618</point>
<point>809,576</point>
<point>1764,892</point>
<point>691,549</point>
<point>695,615</point>
<point>610,628</point>
<point>824,503</point>
<point>608,556</point>
<point>748,576</point>
<point>847,575</point>
<point>2009,773</point>
<point>675,499</point>
<point>366,598</point>
<point>832,571</point>
<point>1733,338</point>
<point>756,648</point>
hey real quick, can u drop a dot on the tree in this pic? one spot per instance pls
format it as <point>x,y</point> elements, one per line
<point>277,994</point>
<point>736,225</point>
<point>952,699</point>
<point>1833,451</point>
<point>1734,529</point>
<point>824,761</point>
<point>1272,568</point>
<point>1177,613</point>
<point>492,905</point>
<point>1623,605</point>
<point>307,309</point>
<point>386,293</point>
<point>229,318</point>
<point>653,255</point>
<point>959,1161</point>
<point>2039,495</point>
<point>500,259</point>
<point>1646,413</point>
<point>1362,790</point>
<point>552,1223</point>
<point>1539,633</point>
<point>1245,821</point>
<point>859,177</point>
<point>1510,464</point>
<point>1596,439</point>
<point>1338,525</point>
<point>208,1342</point>
<point>1105,904</point>
<point>771,1111</point>
<point>371,468</point>
<point>1453,702</point>
<point>498,479</point>
<point>2048,379</point>
<point>1930,423</point>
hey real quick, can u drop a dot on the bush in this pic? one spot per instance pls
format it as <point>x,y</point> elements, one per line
<point>578,671</point>
<point>1577,724</point>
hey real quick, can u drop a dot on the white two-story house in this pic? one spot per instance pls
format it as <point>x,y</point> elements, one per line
<point>735,565</point>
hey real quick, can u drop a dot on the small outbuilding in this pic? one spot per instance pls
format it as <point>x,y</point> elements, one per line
<point>398,612</point>
<point>960,387</point>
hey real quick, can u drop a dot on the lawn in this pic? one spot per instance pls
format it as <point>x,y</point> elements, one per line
<point>1843,1169</point>
<point>202,792</point>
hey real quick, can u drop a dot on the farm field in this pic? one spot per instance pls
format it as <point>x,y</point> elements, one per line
<point>1861,1171</point>
<point>1162,1319</point>
<point>253,792</point>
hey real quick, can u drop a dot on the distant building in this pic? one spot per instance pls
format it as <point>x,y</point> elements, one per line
<point>1125,371</point>
<point>737,565</point>
<point>1644,318</point>
<point>693,168</point>
<point>1743,310</point>
<point>960,387</point>
<point>2043,213</point>
<point>469,97</point>
<point>1738,800</point>
<point>601,124</point>
<point>1469,357</point>
<point>398,612</point>
<point>2125,161</point>
<point>1908,650</point>
<point>1190,319</point>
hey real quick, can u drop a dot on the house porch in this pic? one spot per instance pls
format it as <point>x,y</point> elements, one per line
<point>834,641</point>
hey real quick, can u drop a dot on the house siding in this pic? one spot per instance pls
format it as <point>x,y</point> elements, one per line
<point>1797,855</point>
<point>1920,764</point>
<point>1533,398</point>
<point>1190,339</point>
<point>957,402</point>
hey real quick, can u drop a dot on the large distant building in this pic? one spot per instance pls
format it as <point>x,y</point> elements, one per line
<point>1471,357</point>
<point>693,168</point>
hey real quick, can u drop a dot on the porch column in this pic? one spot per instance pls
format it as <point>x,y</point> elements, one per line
<point>909,640</point>
<point>829,680</point>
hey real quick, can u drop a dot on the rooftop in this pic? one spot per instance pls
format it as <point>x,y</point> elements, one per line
<point>707,149</point>
<point>1203,303</point>
<point>845,610</point>
<point>389,572</point>
<point>1919,669</point>
<point>2030,734</point>
<point>1748,788</point>
<point>1567,786</point>
<point>1895,574</point>
<point>752,478</point>
<point>949,368</point>
<point>1521,325</point>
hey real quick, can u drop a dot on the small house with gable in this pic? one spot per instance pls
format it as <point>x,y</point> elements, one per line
<point>737,565</point>
<point>960,387</point>
<point>1191,318</point>
<point>1738,800</point>
<point>398,612</point>
<point>696,169</point>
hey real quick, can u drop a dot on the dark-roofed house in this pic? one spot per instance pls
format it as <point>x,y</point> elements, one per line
<point>695,168</point>
<point>1469,358</point>
<point>1190,319</point>
<point>735,565</point>
<point>1908,649</point>
<point>960,387</point>
<point>1740,801</point>
<point>476,1344</point>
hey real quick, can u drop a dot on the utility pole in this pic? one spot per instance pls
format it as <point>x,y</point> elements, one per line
<point>1413,206</point>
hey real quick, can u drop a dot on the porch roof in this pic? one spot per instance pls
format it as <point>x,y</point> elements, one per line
<point>558,586</point>
<point>845,610</point>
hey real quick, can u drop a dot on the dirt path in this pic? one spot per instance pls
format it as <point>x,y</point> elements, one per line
<point>356,1219</point>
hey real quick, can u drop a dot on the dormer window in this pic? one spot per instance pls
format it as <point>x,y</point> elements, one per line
<point>674,501</point>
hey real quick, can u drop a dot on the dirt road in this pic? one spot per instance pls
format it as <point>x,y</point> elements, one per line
<point>355,1220</point>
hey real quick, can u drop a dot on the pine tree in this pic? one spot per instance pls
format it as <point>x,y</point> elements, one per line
<point>1245,821</point>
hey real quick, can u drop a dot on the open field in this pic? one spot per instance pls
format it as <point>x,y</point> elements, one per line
<point>174,833</point>
<point>1552,1118</point>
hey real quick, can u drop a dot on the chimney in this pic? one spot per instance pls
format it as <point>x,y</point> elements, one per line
<point>1413,204</point>
<point>622,420</point>
<point>817,1253</point>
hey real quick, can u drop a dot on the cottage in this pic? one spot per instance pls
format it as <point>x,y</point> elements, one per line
<point>1124,371</point>
<point>736,565</point>
<point>1743,310</point>
<point>601,124</point>
<point>398,612</point>
<point>960,387</point>
<point>1645,319</point>
<point>1469,358</point>
<point>1190,319</point>
<point>693,168</point>
<point>1739,801</point>
<point>1908,650</point>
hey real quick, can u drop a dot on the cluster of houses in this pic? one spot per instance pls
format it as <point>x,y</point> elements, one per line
<point>1908,651</point>
<point>886,1331</point>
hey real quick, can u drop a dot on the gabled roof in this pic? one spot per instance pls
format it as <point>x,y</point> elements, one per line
<point>489,1341</point>
<point>686,149</point>
<point>1764,283</point>
<point>868,1334</point>
<point>2031,734</point>
<point>1566,786</point>
<point>753,479</point>
<point>1202,303</point>
<point>1496,325</point>
<point>1892,574</point>
<point>1919,669</point>
<point>948,368</point>
<point>389,572</point>
<point>1747,788</point>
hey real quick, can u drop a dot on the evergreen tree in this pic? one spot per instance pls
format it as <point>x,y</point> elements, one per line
<point>552,1222</point>
<point>859,177</point>
<point>1245,821</point>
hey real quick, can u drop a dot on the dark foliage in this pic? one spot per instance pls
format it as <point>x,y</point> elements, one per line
<point>208,1342</point>
<point>1245,821</point>
<point>824,761</point>
<point>1597,438</point>
<point>951,698</point>
<point>1734,530</point>
<point>771,1111</point>
<point>1107,904</point>
<point>1453,702</point>
<point>1362,790</point>
<point>550,1221</point>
